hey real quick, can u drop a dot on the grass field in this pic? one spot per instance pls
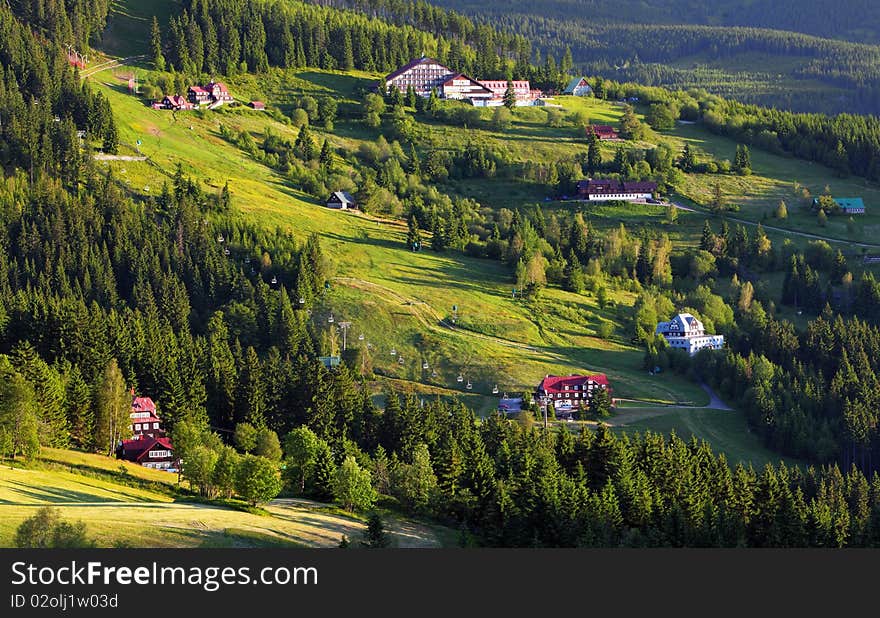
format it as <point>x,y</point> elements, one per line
<point>774,179</point>
<point>726,430</point>
<point>117,513</point>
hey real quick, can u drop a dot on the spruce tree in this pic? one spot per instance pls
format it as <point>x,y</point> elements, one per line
<point>510,96</point>
<point>594,152</point>
<point>414,234</point>
<point>156,46</point>
<point>323,474</point>
<point>326,156</point>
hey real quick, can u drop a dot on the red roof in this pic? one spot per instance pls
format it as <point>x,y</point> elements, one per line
<point>143,404</point>
<point>604,130</point>
<point>258,104</point>
<point>557,384</point>
<point>198,89</point>
<point>136,449</point>
<point>219,85</point>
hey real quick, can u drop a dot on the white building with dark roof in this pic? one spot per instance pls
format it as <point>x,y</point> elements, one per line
<point>685,332</point>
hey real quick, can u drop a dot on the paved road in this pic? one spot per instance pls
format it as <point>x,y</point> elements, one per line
<point>715,402</point>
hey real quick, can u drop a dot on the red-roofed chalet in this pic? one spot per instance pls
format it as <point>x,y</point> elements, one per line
<point>149,452</point>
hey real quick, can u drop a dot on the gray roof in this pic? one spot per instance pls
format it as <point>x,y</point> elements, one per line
<point>574,84</point>
<point>681,323</point>
<point>343,196</point>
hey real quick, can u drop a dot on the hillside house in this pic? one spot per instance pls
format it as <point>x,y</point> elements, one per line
<point>605,132</point>
<point>144,420</point>
<point>615,190</point>
<point>149,452</point>
<point>330,362</point>
<point>258,105</point>
<point>685,332</point>
<point>847,205</point>
<point>199,96</point>
<point>567,393</point>
<point>578,87</point>
<point>213,94</point>
<point>341,200</point>
<point>174,102</point>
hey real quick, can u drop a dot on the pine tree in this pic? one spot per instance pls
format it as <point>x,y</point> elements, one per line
<point>510,96</point>
<point>156,46</point>
<point>717,203</point>
<point>375,536</point>
<point>305,145</point>
<point>688,160</point>
<point>326,156</point>
<point>323,474</point>
<point>414,234</point>
<point>347,52</point>
<point>594,152</point>
<point>707,240</point>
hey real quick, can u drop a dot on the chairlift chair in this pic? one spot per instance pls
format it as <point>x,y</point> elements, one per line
<point>220,238</point>
<point>469,385</point>
<point>495,390</point>
<point>361,337</point>
<point>400,359</point>
<point>393,352</point>
<point>330,319</point>
<point>460,378</point>
<point>425,365</point>
<point>274,280</point>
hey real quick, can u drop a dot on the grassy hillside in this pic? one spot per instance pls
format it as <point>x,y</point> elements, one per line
<point>117,512</point>
<point>726,430</point>
<point>399,300</point>
<point>402,301</point>
<point>396,298</point>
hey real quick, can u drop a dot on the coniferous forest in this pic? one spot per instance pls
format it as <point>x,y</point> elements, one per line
<point>178,296</point>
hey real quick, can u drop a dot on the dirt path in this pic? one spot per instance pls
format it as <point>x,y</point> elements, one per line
<point>108,157</point>
<point>776,229</point>
<point>307,514</point>
<point>109,64</point>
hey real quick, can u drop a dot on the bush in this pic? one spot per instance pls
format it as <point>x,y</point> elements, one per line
<point>47,530</point>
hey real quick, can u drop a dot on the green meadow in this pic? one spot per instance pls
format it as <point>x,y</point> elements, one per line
<point>119,510</point>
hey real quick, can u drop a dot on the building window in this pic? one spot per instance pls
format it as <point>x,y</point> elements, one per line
<point>155,425</point>
<point>137,426</point>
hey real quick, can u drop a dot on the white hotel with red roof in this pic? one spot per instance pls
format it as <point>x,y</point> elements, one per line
<point>567,393</point>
